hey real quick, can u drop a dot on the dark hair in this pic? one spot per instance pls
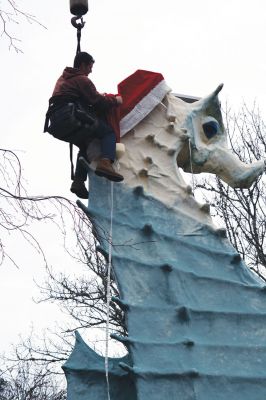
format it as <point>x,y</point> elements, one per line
<point>83,57</point>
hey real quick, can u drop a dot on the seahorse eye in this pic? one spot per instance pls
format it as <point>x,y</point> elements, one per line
<point>210,128</point>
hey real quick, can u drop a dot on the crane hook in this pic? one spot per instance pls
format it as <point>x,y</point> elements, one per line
<point>76,25</point>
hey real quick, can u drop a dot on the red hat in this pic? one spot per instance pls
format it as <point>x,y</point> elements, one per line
<point>141,93</point>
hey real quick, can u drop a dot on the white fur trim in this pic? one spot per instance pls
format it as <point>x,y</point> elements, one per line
<point>144,107</point>
<point>120,150</point>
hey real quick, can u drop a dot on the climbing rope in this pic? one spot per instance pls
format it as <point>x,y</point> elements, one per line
<point>108,296</point>
<point>79,10</point>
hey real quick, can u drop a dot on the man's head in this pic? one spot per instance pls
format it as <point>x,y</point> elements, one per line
<point>84,61</point>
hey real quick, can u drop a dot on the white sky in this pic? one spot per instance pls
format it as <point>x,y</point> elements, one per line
<point>195,44</point>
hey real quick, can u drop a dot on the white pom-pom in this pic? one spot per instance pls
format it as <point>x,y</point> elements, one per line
<point>120,150</point>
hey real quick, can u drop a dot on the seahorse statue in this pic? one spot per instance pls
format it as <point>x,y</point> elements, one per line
<point>195,314</point>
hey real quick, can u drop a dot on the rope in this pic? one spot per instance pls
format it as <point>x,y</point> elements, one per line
<point>109,293</point>
<point>191,168</point>
<point>78,40</point>
<point>78,26</point>
<point>72,170</point>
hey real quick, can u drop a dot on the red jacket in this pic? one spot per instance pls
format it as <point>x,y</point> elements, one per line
<point>75,83</point>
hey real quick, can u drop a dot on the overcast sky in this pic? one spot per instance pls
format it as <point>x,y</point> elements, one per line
<point>195,44</point>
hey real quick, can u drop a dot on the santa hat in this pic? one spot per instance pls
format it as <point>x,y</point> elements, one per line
<point>141,93</point>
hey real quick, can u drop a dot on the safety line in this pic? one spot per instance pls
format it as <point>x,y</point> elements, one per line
<point>110,239</point>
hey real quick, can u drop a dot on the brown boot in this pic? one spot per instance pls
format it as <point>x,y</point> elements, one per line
<point>105,168</point>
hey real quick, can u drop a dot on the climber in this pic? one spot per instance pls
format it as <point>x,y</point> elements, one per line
<point>75,89</point>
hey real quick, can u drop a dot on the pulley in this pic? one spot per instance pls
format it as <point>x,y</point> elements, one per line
<point>79,7</point>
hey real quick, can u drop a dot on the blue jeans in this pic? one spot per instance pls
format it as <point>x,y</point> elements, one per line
<point>107,138</point>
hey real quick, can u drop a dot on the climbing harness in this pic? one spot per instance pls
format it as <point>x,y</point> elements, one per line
<point>108,295</point>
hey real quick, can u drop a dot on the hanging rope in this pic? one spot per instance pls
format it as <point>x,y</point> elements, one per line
<point>78,26</point>
<point>110,239</point>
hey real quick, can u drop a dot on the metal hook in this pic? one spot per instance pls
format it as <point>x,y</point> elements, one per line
<point>77,25</point>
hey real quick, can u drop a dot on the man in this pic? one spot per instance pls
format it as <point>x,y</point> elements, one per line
<point>75,84</point>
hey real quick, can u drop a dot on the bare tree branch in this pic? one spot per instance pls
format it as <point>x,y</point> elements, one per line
<point>11,14</point>
<point>21,382</point>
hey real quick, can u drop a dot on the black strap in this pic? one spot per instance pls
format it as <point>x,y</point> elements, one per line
<point>78,39</point>
<point>46,123</point>
<point>71,160</point>
<point>78,26</point>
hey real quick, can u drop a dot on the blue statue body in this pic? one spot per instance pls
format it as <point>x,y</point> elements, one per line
<point>195,314</point>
